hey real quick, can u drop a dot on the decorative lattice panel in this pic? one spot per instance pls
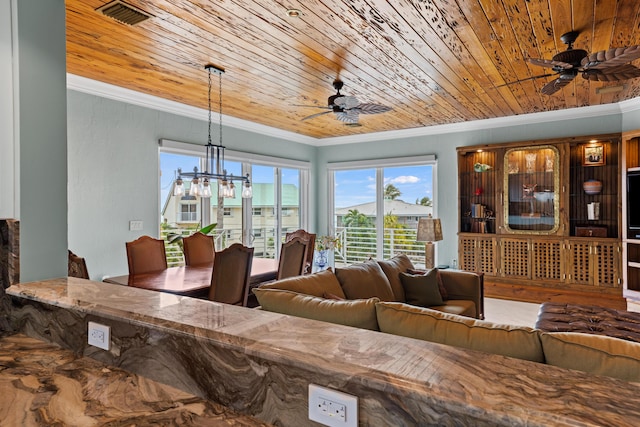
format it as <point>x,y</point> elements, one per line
<point>547,260</point>
<point>467,255</point>
<point>487,256</point>
<point>514,254</point>
<point>580,257</point>
<point>606,263</point>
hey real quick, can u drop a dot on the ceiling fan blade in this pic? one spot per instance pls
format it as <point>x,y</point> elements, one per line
<point>346,102</point>
<point>550,63</point>
<point>348,116</point>
<point>623,72</point>
<point>369,108</point>
<point>611,58</point>
<point>316,115</point>
<point>527,79</point>
<point>311,106</point>
<point>557,84</point>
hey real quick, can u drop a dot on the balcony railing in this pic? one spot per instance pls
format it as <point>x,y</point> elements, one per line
<point>357,244</point>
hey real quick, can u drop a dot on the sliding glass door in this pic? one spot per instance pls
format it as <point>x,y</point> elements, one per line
<point>377,205</point>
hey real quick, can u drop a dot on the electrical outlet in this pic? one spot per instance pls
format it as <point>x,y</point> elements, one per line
<point>135,225</point>
<point>99,335</point>
<point>332,408</point>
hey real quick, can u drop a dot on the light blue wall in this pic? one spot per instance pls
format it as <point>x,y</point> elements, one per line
<point>42,130</point>
<point>114,173</point>
<point>444,147</point>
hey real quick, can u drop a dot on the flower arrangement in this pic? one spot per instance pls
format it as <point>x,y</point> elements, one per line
<point>324,243</point>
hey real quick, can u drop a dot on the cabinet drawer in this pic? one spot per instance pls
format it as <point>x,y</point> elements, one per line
<point>591,231</point>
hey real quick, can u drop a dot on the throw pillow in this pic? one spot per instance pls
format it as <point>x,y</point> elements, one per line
<point>315,284</point>
<point>392,269</point>
<point>443,290</point>
<point>595,354</point>
<point>357,313</point>
<point>421,289</point>
<point>365,280</point>
<point>431,325</point>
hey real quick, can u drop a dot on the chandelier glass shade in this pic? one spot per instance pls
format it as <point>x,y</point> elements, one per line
<point>214,162</point>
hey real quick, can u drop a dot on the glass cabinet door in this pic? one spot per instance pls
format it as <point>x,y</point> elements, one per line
<point>531,181</point>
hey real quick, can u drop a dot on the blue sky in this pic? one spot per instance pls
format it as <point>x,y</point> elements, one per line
<point>352,187</point>
<point>359,186</point>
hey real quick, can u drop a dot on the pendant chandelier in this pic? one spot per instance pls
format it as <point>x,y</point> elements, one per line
<point>214,162</point>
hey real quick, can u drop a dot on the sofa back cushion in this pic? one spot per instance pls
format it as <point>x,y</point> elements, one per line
<point>595,354</point>
<point>365,280</point>
<point>316,284</point>
<point>430,325</point>
<point>392,269</point>
<point>356,313</point>
<point>421,289</point>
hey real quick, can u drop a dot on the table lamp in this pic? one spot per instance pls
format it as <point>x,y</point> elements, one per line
<point>429,231</point>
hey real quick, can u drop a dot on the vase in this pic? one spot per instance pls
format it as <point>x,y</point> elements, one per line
<point>592,186</point>
<point>322,260</point>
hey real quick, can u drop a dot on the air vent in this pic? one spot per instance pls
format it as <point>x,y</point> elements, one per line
<point>123,12</point>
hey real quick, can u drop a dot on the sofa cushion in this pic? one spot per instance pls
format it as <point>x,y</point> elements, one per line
<point>392,269</point>
<point>316,284</point>
<point>431,325</point>
<point>365,280</point>
<point>443,290</point>
<point>421,289</point>
<point>595,354</point>
<point>356,313</point>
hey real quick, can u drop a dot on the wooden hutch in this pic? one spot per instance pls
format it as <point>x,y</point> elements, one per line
<point>542,219</point>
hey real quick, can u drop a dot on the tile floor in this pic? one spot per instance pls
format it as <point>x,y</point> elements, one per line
<point>511,312</point>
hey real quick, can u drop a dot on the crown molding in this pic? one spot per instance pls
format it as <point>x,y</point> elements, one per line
<point>117,93</point>
<point>106,90</point>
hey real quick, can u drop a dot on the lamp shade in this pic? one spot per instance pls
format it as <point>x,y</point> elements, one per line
<point>429,230</point>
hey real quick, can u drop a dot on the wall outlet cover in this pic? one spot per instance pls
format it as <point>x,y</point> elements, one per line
<point>99,335</point>
<point>332,408</point>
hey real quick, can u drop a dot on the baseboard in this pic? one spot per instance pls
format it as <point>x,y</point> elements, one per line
<point>537,294</point>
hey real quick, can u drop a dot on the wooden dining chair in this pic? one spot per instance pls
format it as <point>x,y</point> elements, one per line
<point>231,274</point>
<point>77,267</point>
<point>311,238</point>
<point>146,255</point>
<point>293,258</point>
<point>199,249</point>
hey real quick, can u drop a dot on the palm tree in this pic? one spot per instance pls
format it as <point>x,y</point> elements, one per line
<point>391,192</point>
<point>425,201</point>
<point>355,218</point>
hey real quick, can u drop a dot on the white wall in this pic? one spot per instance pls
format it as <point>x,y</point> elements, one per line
<point>113,172</point>
<point>7,143</point>
<point>40,82</point>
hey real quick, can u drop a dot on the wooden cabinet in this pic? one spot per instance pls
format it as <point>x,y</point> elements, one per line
<point>631,218</point>
<point>523,208</point>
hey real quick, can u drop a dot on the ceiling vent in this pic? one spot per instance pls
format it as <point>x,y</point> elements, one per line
<point>123,12</point>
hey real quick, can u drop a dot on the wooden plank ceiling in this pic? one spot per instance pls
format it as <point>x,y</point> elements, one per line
<point>433,61</point>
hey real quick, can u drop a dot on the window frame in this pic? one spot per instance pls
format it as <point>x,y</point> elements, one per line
<point>379,165</point>
<point>247,160</point>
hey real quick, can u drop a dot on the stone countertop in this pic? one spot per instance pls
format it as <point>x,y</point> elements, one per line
<point>47,385</point>
<point>461,385</point>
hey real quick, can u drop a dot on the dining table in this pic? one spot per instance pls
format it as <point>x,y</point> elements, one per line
<point>192,280</point>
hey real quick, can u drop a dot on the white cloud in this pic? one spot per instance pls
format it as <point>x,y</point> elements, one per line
<point>410,179</point>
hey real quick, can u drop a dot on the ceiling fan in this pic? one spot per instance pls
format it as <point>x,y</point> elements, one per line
<point>347,108</point>
<point>605,65</point>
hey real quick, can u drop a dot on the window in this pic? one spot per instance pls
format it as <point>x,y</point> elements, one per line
<point>280,187</point>
<point>377,204</point>
<point>188,212</point>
